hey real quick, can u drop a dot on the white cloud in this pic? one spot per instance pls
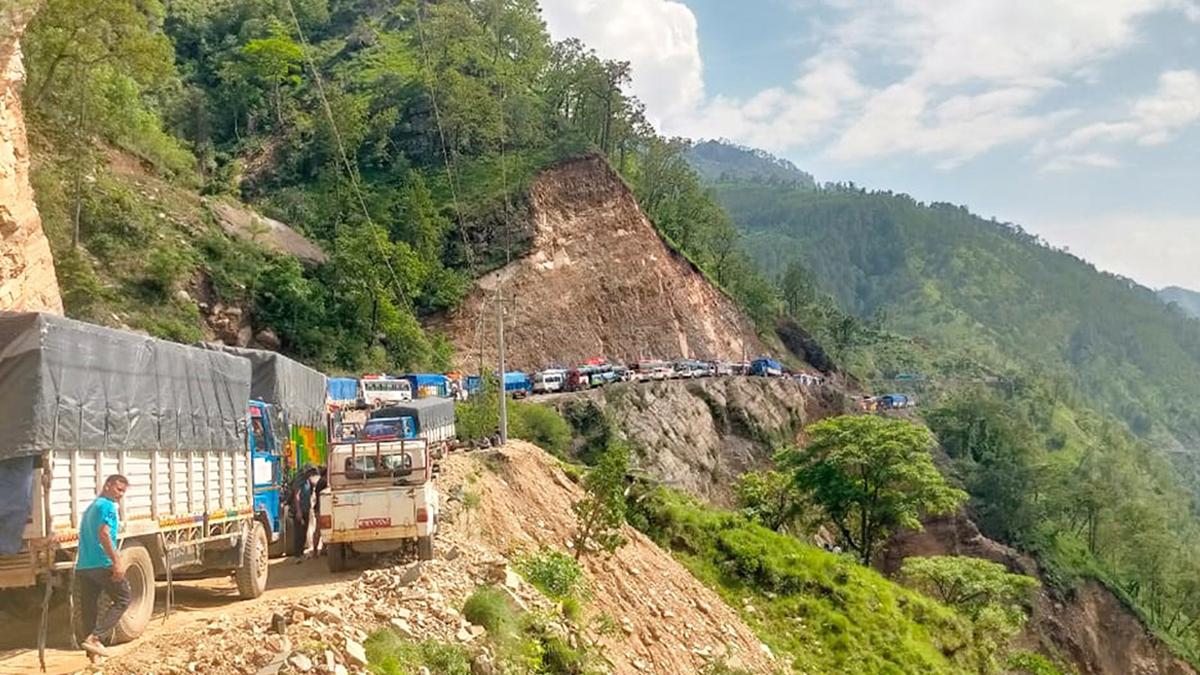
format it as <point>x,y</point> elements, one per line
<point>973,74</point>
<point>1157,250</point>
<point>1152,120</point>
<point>658,37</point>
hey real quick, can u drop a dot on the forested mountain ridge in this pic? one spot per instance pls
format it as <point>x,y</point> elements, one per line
<point>989,290</point>
<point>723,161</point>
<point>1188,301</point>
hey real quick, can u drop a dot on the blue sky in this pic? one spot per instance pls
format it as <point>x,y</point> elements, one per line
<point>1078,119</point>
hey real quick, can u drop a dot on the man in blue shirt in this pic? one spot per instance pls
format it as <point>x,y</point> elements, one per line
<point>99,569</point>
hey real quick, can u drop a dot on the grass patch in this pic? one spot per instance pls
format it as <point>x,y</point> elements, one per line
<point>557,575</point>
<point>488,607</point>
<point>823,612</point>
<point>389,654</point>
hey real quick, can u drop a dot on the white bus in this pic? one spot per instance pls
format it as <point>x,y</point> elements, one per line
<point>380,390</point>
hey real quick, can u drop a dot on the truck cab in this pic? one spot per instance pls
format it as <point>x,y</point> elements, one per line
<point>268,443</point>
<point>381,498</point>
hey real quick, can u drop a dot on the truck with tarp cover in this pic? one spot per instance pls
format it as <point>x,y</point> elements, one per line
<point>432,419</point>
<point>289,428</point>
<point>80,402</point>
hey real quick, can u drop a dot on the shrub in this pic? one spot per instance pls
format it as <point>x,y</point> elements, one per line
<point>542,426</point>
<point>555,574</point>
<point>389,654</point>
<point>488,607</point>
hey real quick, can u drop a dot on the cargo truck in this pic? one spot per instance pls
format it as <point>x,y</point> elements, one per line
<point>289,424</point>
<point>78,403</point>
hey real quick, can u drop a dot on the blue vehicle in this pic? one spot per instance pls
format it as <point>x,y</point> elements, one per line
<point>343,392</point>
<point>766,368</point>
<point>425,385</point>
<point>473,384</point>
<point>517,384</point>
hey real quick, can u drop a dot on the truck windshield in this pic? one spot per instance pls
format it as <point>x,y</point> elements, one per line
<point>378,430</point>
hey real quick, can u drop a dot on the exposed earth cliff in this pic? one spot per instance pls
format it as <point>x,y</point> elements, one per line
<point>27,280</point>
<point>598,282</point>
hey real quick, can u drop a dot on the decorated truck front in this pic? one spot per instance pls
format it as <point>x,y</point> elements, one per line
<point>289,424</point>
<point>79,403</point>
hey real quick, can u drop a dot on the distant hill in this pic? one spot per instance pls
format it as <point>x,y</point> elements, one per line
<point>1188,301</point>
<point>984,289</point>
<point>718,161</point>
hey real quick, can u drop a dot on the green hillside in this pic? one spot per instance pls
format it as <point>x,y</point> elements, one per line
<point>985,289</point>
<point>1188,301</point>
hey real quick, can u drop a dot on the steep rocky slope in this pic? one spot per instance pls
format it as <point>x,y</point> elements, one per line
<point>665,620</point>
<point>699,435</point>
<point>1092,629</point>
<point>598,282</point>
<point>27,280</point>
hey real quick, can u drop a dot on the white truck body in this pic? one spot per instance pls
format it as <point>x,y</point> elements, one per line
<point>381,498</point>
<point>175,499</point>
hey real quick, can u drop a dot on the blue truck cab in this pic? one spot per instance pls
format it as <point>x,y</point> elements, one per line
<point>268,441</point>
<point>517,384</point>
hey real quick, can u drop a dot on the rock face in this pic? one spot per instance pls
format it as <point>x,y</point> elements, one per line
<point>1092,628</point>
<point>27,278</point>
<point>598,282</point>
<point>699,435</point>
<point>245,224</point>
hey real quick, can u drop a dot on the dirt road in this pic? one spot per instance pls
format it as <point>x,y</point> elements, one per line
<point>195,601</point>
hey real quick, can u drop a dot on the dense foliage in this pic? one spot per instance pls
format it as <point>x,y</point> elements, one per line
<point>1082,492</point>
<point>988,291</point>
<point>398,135</point>
<point>822,612</point>
<point>870,476</point>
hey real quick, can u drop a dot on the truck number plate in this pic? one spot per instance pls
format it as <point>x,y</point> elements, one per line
<point>368,523</point>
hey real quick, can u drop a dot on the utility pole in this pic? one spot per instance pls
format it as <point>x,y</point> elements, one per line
<point>503,393</point>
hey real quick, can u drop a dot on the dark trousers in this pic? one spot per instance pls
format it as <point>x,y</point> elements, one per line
<point>92,583</point>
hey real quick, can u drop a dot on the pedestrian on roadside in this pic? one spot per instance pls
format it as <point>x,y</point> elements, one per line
<point>314,522</point>
<point>302,498</point>
<point>98,568</point>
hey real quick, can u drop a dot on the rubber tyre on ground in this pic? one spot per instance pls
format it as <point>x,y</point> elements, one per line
<point>251,576</point>
<point>335,555</point>
<point>425,548</point>
<point>139,571</point>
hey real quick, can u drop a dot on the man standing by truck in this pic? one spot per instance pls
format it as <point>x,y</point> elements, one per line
<point>98,569</point>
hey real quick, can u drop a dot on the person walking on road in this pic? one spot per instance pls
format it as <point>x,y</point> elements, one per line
<point>99,569</point>
<point>302,508</point>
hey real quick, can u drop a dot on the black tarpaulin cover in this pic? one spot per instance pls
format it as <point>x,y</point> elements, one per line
<point>428,412</point>
<point>276,379</point>
<point>68,384</point>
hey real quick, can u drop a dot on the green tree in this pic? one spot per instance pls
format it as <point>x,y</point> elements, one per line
<point>601,512</point>
<point>273,62</point>
<point>981,590</point>
<point>870,475</point>
<point>769,497</point>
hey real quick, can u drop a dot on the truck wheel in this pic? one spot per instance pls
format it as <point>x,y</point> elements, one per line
<point>425,548</point>
<point>251,576</point>
<point>139,572</point>
<point>336,555</point>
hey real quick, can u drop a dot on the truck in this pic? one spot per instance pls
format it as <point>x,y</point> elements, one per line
<point>516,384</point>
<point>429,385</point>
<point>343,392</point>
<point>79,403</point>
<point>766,368</point>
<point>431,419</point>
<point>289,425</point>
<point>381,499</point>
